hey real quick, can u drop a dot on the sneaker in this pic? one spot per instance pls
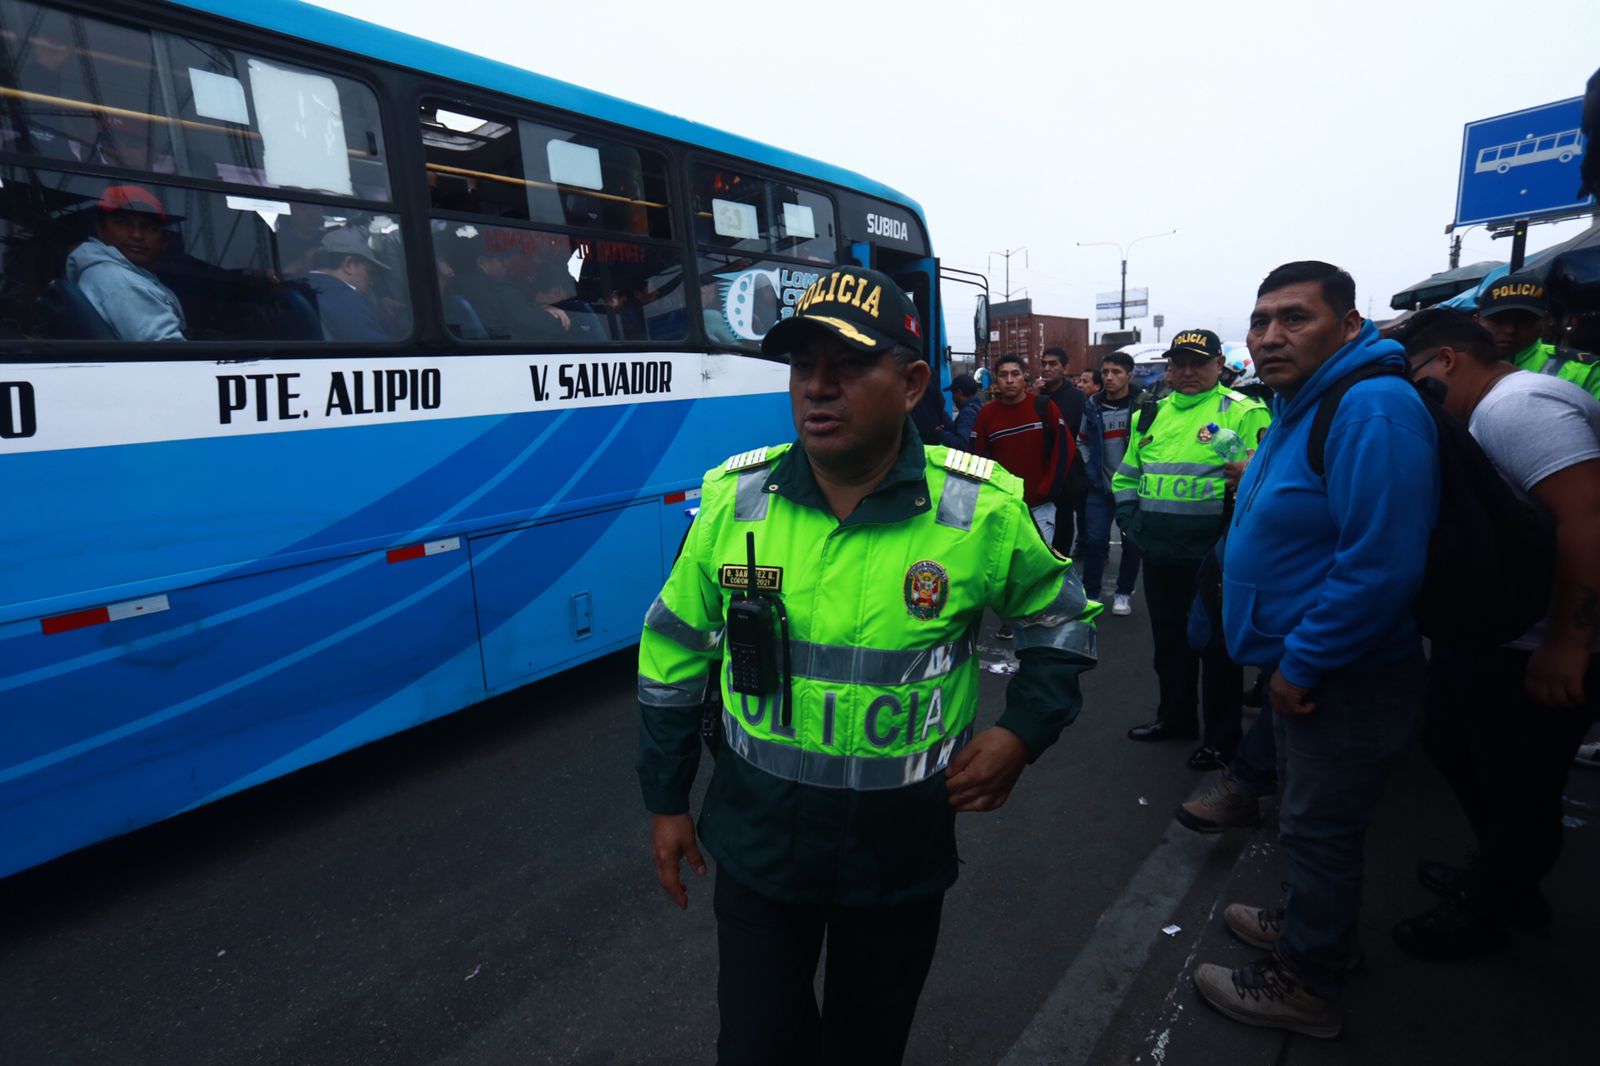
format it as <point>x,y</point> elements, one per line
<point>1451,932</point>
<point>1260,927</point>
<point>1220,807</point>
<point>1267,994</point>
<point>1588,754</point>
<point>1121,604</point>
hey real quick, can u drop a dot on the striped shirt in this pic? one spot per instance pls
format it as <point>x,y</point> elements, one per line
<point>1012,435</point>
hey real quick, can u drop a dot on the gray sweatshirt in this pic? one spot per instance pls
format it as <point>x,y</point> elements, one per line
<point>133,302</point>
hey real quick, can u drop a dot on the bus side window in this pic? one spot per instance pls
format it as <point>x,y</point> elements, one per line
<point>141,261</point>
<point>738,212</point>
<point>762,244</point>
<point>133,252</point>
<point>498,283</point>
<point>571,242</point>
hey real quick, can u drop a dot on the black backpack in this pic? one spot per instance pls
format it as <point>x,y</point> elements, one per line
<point>1491,558</point>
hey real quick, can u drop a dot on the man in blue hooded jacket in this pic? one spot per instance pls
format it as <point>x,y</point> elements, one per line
<point>112,268</point>
<point>1318,583</point>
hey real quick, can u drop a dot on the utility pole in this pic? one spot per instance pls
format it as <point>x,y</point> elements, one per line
<point>1006,255</point>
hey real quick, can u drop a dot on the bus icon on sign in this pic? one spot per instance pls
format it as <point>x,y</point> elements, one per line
<point>1561,147</point>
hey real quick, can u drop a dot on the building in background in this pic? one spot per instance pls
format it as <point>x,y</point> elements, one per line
<point>1015,329</point>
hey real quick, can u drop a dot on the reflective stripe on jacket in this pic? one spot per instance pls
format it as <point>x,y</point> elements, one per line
<point>1543,358</point>
<point>847,801</point>
<point>1170,486</point>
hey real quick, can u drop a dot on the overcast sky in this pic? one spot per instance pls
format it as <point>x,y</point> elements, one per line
<point>1264,131</point>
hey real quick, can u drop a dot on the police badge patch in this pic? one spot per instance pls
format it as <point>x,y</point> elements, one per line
<point>927,589</point>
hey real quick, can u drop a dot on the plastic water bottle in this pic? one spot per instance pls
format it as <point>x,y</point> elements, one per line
<point>1227,444</point>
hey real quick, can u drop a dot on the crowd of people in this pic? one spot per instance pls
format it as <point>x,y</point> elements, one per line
<point>1309,568</point>
<point>1399,538</point>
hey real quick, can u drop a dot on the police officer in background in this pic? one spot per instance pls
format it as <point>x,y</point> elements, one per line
<point>1170,492</point>
<point>849,678</point>
<point>1516,312</point>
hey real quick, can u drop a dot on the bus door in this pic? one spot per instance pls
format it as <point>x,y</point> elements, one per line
<point>918,275</point>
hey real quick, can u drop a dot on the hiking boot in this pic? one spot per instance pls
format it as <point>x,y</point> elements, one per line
<point>1451,932</point>
<point>1267,994</point>
<point>1220,807</point>
<point>1260,927</point>
<point>1121,604</point>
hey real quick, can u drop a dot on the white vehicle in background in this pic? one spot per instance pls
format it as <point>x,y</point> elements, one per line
<point>1149,363</point>
<point>1237,363</point>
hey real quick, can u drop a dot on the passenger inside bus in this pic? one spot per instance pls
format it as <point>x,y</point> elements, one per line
<point>506,308</point>
<point>112,270</point>
<point>298,235</point>
<point>342,283</point>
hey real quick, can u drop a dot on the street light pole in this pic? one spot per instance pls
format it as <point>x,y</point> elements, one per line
<point>1122,303</point>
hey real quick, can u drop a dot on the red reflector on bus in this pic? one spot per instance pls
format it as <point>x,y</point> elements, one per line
<point>417,551</point>
<point>675,497</point>
<point>116,612</point>
<point>62,623</point>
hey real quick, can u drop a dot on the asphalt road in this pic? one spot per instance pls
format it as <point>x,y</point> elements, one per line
<point>479,891</point>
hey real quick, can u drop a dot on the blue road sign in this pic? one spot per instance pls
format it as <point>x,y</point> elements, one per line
<point>1522,165</point>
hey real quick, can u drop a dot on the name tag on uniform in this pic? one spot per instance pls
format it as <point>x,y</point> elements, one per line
<point>737,576</point>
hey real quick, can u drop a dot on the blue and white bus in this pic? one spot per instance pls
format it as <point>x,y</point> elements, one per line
<point>347,380</point>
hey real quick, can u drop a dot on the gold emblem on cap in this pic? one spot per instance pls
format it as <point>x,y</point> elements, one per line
<point>846,329</point>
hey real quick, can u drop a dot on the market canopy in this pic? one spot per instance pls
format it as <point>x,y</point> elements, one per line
<point>1442,286</point>
<point>1570,269</point>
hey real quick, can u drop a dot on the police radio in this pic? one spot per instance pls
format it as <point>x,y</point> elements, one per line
<point>753,639</point>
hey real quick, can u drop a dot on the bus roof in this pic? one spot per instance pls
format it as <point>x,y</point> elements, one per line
<point>319,25</point>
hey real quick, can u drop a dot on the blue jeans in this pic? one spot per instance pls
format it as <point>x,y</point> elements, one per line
<point>1332,764</point>
<point>1094,547</point>
<point>1254,769</point>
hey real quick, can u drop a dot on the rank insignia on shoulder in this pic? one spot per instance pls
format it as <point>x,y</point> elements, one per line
<point>746,460</point>
<point>966,464</point>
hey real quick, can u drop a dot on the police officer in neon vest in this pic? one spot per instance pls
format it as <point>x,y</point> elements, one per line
<point>849,732</point>
<point>1516,311</point>
<point>1170,492</point>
